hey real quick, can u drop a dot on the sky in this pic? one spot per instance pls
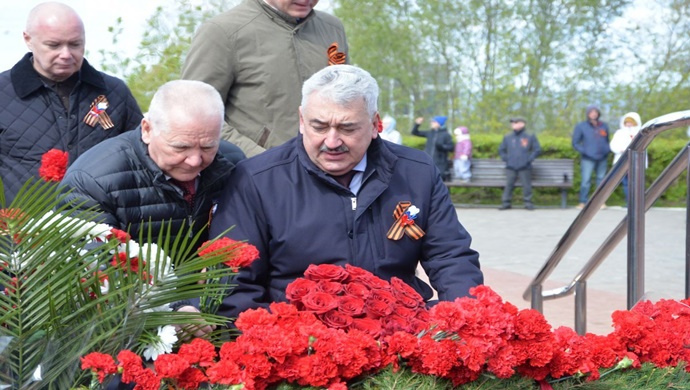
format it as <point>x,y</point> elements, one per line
<point>97,17</point>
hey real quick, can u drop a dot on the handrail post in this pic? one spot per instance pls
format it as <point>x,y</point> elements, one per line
<point>581,307</point>
<point>687,231</point>
<point>537,301</point>
<point>636,224</point>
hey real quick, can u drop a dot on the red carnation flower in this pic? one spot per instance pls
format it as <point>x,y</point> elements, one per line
<point>99,363</point>
<point>236,254</point>
<point>53,165</point>
<point>131,365</point>
<point>147,380</point>
<point>198,351</point>
<point>120,260</point>
<point>226,372</point>
<point>11,218</point>
<point>170,365</point>
<point>191,379</point>
<point>119,235</point>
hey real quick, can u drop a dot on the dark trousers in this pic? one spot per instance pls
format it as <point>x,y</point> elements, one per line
<point>526,180</point>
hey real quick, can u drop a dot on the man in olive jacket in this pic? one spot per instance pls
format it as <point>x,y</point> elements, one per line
<point>257,55</point>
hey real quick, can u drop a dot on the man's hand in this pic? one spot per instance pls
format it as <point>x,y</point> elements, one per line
<point>419,120</point>
<point>189,331</point>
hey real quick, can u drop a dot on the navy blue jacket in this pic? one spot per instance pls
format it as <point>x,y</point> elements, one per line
<point>296,215</point>
<point>518,149</point>
<point>592,141</point>
<point>33,120</point>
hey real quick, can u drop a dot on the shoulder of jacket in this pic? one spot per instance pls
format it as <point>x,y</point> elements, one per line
<point>409,154</point>
<point>269,160</point>
<point>235,19</point>
<point>327,18</point>
<point>110,157</point>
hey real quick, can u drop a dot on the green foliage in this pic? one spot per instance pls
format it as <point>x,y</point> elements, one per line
<point>164,46</point>
<point>646,377</point>
<point>660,153</point>
<point>482,62</point>
<point>479,62</point>
<point>54,309</point>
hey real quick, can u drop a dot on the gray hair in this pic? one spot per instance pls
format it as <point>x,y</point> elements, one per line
<point>343,84</point>
<point>184,97</point>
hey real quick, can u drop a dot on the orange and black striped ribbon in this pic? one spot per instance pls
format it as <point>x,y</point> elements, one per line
<point>335,57</point>
<point>403,225</point>
<point>97,113</point>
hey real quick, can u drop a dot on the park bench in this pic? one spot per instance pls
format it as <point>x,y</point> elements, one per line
<point>555,173</point>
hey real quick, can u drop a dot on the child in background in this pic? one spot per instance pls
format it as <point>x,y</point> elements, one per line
<point>462,160</point>
<point>629,127</point>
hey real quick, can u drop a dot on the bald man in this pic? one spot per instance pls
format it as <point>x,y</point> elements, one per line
<point>54,99</point>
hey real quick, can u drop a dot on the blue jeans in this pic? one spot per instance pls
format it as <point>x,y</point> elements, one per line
<point>587,167</point>
<point>461,169</point>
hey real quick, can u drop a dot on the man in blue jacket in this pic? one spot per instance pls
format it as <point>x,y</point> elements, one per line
<point>330,196</point>
<point>518,150</point>
<point>591,140</point>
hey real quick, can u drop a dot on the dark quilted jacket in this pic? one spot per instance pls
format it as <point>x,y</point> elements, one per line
<point>33,120</point>
<point>120,179</point>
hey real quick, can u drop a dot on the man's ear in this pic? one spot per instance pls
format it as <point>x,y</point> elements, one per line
<point>301,120</point>
<point>378,125</point>
<point>146,131</point>
<point>27,41</point>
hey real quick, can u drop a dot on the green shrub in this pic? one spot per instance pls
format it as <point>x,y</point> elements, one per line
<point>660,153</point>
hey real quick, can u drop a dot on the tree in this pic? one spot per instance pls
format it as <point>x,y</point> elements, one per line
<point>163,47</point>
<point>480,62</point>
<point>491,59</point>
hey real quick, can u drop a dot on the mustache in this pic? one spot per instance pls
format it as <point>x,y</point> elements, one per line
<point>339,149</point>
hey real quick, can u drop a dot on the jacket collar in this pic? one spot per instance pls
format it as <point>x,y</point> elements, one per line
<point>26,80</point>
<point>380,160</point>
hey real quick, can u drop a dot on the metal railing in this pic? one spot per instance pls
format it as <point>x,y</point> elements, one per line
<point>632,162</point>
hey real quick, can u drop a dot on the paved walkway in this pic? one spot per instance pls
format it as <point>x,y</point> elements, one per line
<point>514,244</point>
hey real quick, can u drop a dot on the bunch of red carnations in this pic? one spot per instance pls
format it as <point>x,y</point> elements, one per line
<point>344,322</point>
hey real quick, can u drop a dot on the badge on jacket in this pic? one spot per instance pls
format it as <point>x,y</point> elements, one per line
<point>98,115</point>
<point>335,57</point>
<point>405,213</point>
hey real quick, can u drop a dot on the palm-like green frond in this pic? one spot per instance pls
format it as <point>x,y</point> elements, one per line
<point>54,307</point>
